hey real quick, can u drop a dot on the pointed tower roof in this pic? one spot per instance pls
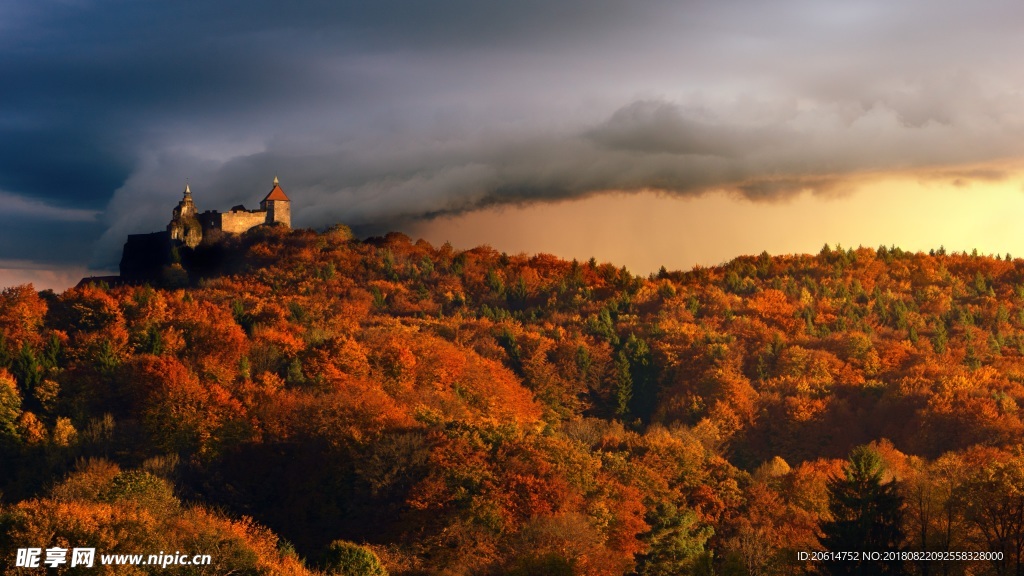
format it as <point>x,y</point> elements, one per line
<point>276,193</point>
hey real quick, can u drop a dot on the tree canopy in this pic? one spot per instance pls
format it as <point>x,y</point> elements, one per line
<point>472,412</point>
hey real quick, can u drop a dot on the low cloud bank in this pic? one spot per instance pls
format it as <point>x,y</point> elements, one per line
<point>764,151</point>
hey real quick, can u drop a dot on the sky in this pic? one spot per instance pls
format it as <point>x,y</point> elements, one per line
<point>641,133</point>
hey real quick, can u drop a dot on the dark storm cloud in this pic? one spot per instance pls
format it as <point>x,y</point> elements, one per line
<point>31,239</point>
<point>91,85</point>
<point>658,127</point>
<point>377,113</point>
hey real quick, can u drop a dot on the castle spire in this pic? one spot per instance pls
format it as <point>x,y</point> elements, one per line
<point>275,181</point>
<point>188,192</point>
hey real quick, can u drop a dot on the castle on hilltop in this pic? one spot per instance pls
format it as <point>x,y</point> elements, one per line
<point>189,226</point>
<point>147,256</point>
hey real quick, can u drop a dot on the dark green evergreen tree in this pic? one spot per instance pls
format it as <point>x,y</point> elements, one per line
<point>623,385</point>
<point>677,543</point>
<point>642,376</point>
<point>866,515</point>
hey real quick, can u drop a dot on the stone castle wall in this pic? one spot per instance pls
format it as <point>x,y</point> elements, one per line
<point>238,222</point>
<point>145,255</point>
<point>210,220</point>
<point>235,222</point>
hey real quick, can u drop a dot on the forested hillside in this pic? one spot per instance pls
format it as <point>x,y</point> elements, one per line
<point>472,412</point>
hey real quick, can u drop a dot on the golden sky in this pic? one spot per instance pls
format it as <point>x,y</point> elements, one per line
<point>915,211</point>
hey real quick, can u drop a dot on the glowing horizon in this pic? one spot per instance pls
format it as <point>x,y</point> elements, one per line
<point>916,211</point>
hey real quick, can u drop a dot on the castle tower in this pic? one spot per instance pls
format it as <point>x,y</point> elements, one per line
<point>186,207</point>
<point>278,206</point>
<point>183,226</point>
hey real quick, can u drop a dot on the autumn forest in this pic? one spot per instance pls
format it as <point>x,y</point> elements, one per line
<point>324,405</point>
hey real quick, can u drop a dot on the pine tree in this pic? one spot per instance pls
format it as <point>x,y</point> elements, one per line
<point>866,517</point>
